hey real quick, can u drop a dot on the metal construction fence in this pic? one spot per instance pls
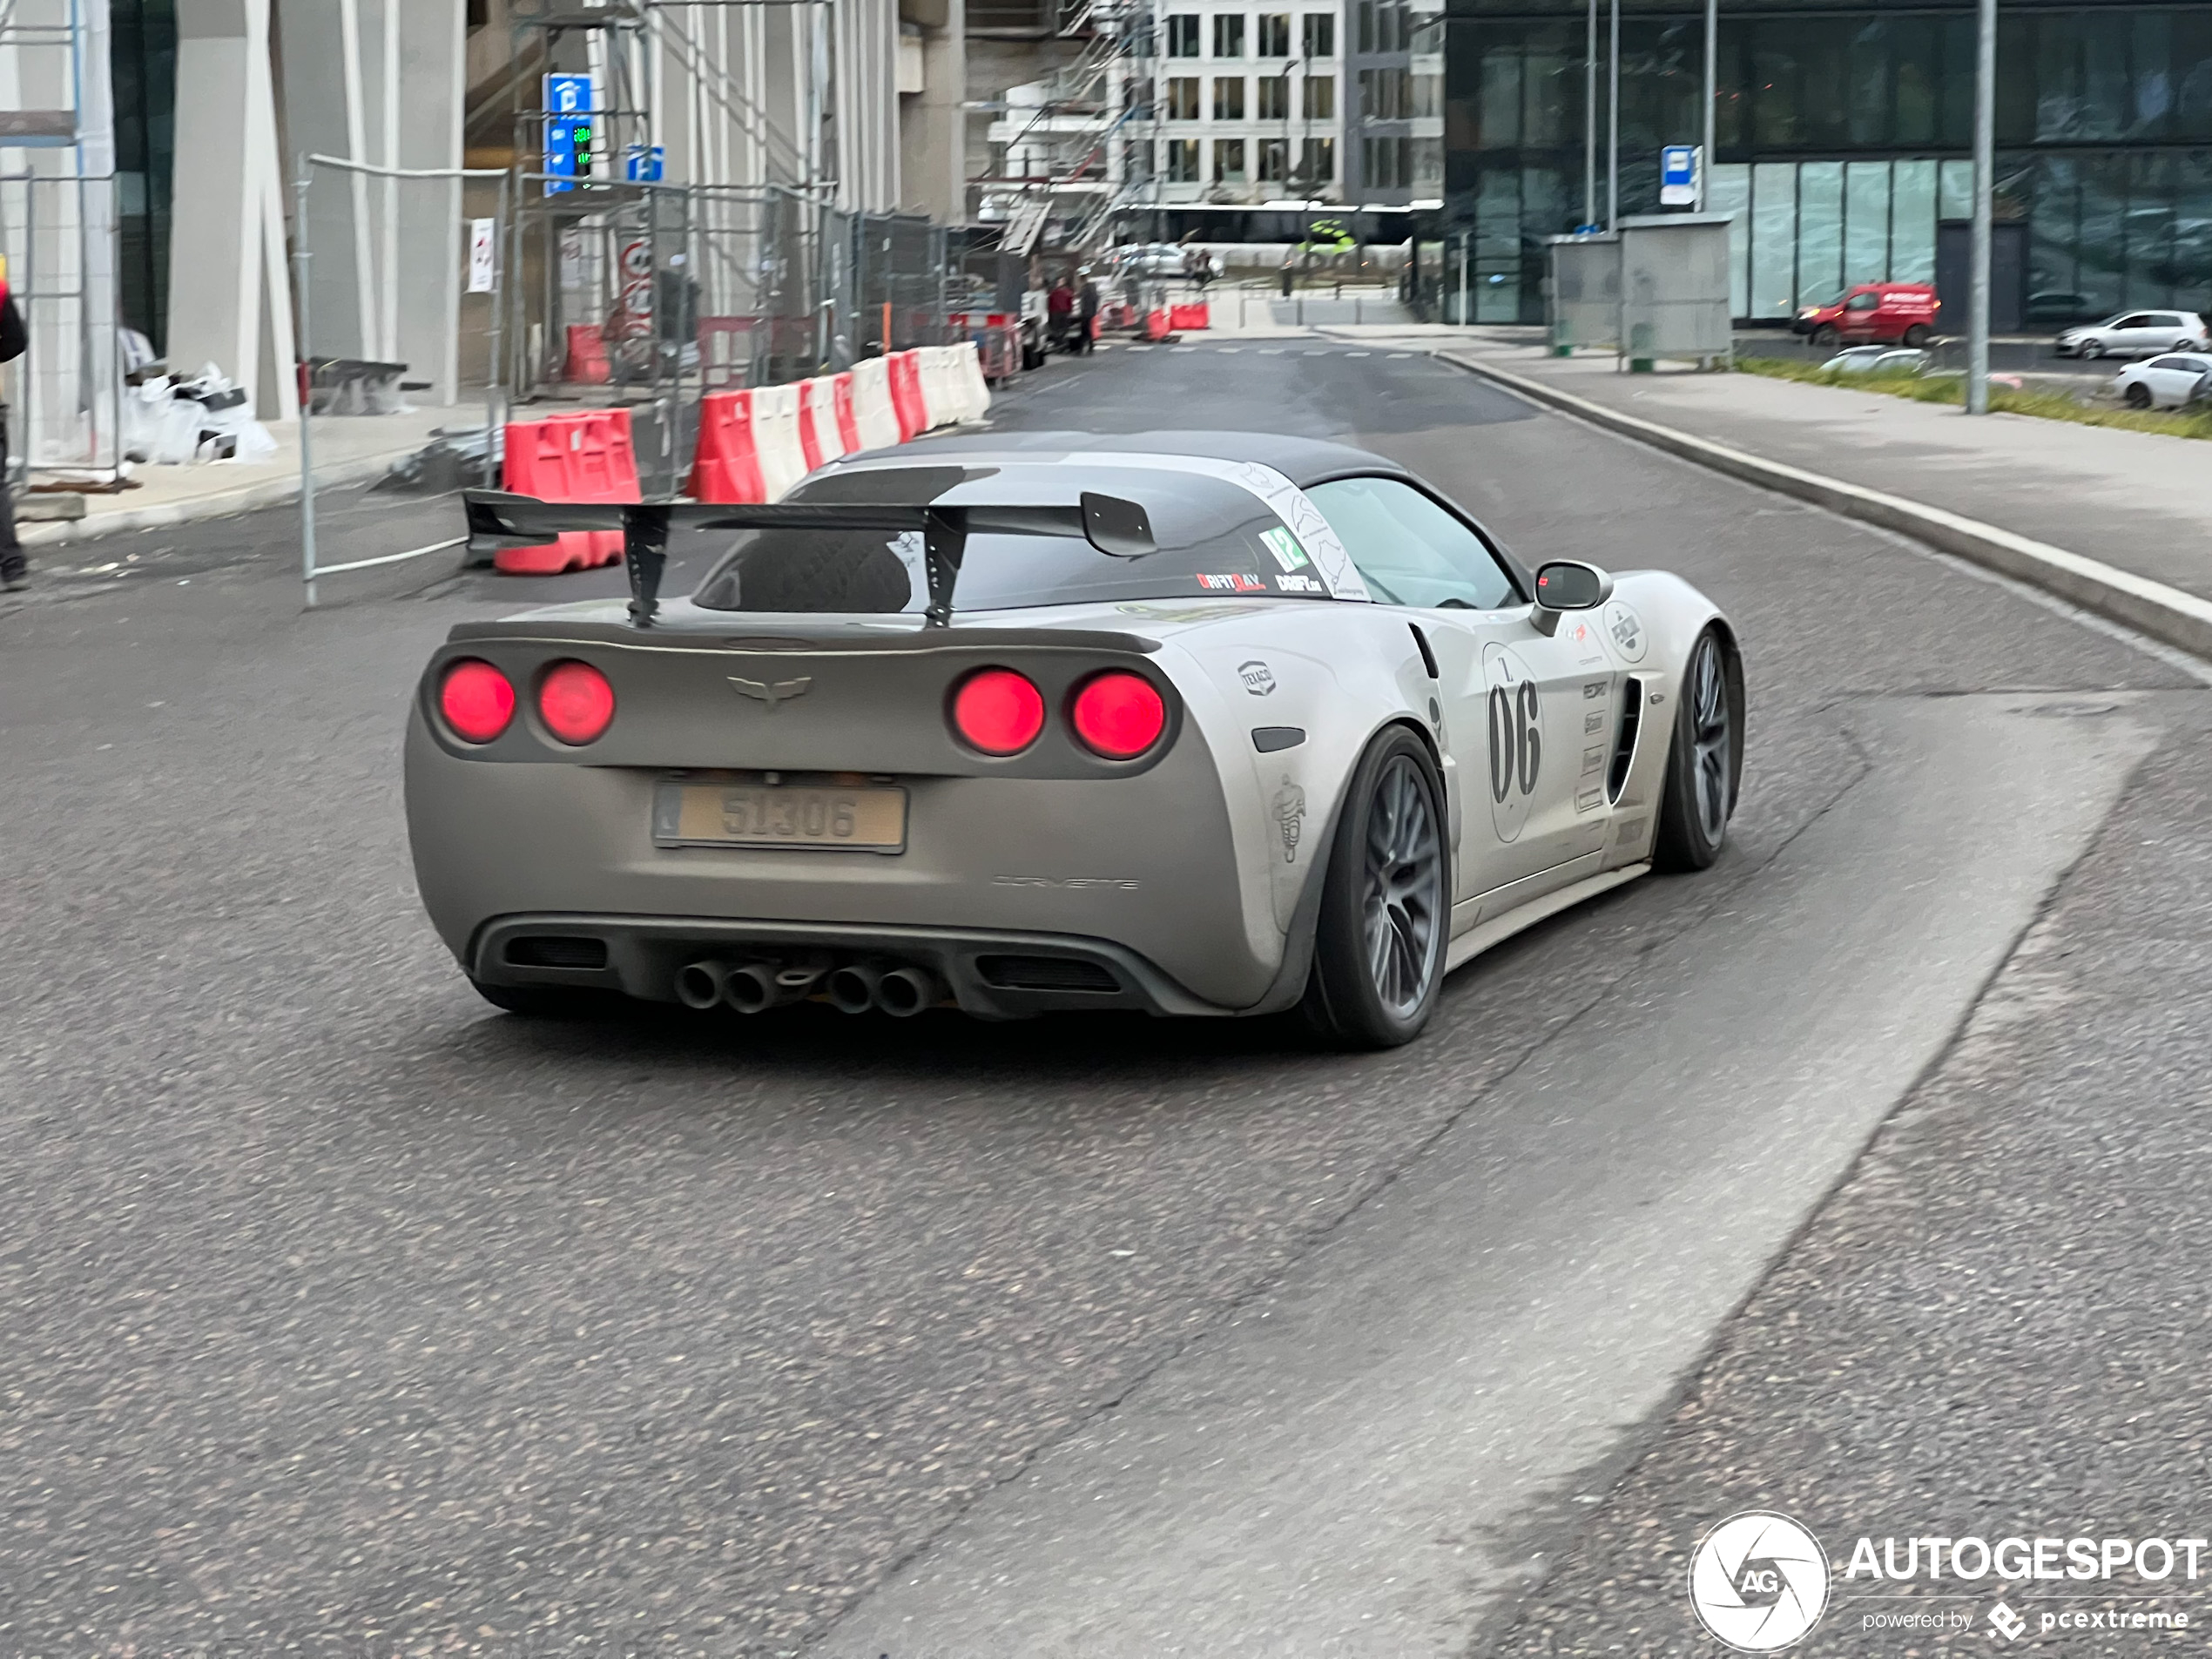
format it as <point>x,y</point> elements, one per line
<point>632,294</point>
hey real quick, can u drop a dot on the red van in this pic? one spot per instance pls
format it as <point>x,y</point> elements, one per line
<point>1883,312</point>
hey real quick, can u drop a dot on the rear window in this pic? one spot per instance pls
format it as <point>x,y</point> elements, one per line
<point>1214,539</point>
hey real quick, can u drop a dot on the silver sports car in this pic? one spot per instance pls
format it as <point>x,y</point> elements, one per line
<point>1197,724</point>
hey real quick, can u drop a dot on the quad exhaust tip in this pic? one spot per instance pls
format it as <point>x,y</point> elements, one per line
<point>754,988</point>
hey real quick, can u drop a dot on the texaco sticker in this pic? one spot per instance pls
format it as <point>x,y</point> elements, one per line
<point>1625,630</point>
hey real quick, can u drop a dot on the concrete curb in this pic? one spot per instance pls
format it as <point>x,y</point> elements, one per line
<point>268,492</point>
<point>2165,613</point>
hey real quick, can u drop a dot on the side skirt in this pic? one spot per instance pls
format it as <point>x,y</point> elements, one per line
<point>1479,938</point>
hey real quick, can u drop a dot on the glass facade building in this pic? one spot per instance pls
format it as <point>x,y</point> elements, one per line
<point>1843,139</point>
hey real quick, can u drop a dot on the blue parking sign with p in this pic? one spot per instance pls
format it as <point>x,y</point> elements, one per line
<point>569,106</point>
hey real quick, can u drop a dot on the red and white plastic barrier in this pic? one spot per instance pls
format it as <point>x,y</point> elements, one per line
<point>753,445</point>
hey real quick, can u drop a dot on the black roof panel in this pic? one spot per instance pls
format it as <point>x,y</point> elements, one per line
<point>1303,461</point>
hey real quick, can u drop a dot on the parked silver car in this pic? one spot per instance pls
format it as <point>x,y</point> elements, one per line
<point>2165,382</point>
<point>1145,260</point>
<point>2134,334</point>
<point>1878,360</point>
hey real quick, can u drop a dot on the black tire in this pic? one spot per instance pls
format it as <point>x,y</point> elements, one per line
<point>2089,350</point>
<point>1917,335</point>
<point>2138,396</point>
<point>1705,761</point>
<point>1824,336</point>
<point>1385,914</point>
<point>551,1001</point>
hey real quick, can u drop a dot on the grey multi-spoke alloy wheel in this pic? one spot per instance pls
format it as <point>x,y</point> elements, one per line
<point>1386,903</point>
<point>1706,766</point>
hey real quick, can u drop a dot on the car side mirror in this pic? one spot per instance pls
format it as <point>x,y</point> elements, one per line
<point>1566,585</point>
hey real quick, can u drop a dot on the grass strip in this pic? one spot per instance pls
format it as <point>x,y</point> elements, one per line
<point>1952,388</point>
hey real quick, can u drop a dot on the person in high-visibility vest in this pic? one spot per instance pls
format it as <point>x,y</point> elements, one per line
<point>15,569</point>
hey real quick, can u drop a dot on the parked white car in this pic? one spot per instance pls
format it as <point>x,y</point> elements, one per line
<point>2164,382</point>
<point>2135,333</point>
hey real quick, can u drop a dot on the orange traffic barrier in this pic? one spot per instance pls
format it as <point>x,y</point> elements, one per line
<point>587,364</point>
<point>876,419</point>
<point>727,466</point>
<point>1189,316</point>
<point>584,456</point>
<point>819,440</point>
<point>1155,325</point>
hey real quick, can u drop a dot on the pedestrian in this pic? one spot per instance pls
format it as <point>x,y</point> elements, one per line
<point>1059,307</point>
<point>1086,315</point>
<point>15,569</point>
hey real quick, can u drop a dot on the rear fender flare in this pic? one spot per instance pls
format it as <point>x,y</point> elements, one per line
<point>1289,986</point>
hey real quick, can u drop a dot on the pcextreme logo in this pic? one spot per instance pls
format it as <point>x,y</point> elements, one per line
<point>1759,1581</point>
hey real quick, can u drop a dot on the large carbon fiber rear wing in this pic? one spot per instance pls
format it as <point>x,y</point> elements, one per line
<point>497,520</point>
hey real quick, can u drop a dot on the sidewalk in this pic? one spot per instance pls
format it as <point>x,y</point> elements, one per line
<point>347,449</point>
<point>2139,502</point>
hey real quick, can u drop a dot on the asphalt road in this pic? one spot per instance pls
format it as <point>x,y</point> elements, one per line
<point>339,1314</point>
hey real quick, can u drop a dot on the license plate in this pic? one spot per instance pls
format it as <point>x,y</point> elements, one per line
<point>737,814</point>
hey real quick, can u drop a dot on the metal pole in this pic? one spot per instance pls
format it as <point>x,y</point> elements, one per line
<point>299,258</point>
<point>1712,91</point>
<point>1613,129</point>
<point>1984,186</point>
<point>1589,120</point>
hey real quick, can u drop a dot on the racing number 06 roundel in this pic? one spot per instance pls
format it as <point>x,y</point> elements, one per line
<point>1515,713</point>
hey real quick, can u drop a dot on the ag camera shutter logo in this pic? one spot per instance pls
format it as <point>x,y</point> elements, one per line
<point>1759,1581</point>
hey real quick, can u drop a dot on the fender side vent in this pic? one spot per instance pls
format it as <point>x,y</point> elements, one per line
<point>1045,973</point>
<point>1624,740</point>
<point>557,950</point>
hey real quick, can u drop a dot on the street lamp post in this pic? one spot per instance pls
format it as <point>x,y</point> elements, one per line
<point>1984,187</point>
<point>1613,129</point>
<point>1589,120</point>
<point>1712,67</point>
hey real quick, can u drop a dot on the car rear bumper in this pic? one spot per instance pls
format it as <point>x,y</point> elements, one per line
<point>996,975</point>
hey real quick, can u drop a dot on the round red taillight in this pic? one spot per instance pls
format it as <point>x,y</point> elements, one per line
<point>576,702</point>
<point>1118,714</point>
<point>476,700</point>
<point>998,711</point>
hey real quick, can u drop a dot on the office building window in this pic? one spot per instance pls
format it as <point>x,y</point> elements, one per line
<point>1385,95</point>
<point>1274,160</point>
<point>1229,35</point>
<point>1384,26</point>
<point>1137,97</point>
<point>1426,165</point>
<point>1320,38</point>
<point>1182,98</point>
<point>1182,35</point>
<point>1228,161</point>
<point>1274,34</point>
<point>1320,101</point>
<point>1318,161</point>
<point>1228,97</point>
<point>1274,99</point>
<point>1183,161</point>
<point>1425,93</point>
<point>1382,163</point>
<point>1136,160</point>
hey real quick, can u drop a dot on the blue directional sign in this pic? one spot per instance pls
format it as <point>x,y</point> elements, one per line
<point>641,163</point>
<point>571,101</point>
<point>1678,169</point>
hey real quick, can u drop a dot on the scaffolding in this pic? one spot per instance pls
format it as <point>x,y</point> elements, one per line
<point>58,231</point>
<point>1061,137</point>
